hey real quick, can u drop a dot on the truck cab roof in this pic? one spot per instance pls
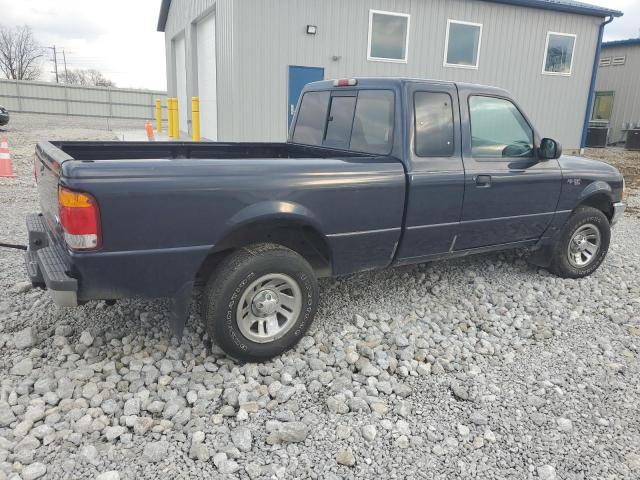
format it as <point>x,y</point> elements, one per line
<point>397,82</point>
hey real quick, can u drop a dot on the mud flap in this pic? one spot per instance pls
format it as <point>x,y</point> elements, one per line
<point>179,306</point>
<point>541,257</point>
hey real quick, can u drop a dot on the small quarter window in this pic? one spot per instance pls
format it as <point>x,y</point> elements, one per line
<point>498,129</point>
<point>433,124</point>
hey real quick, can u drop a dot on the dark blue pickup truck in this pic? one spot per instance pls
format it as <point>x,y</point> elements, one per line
<point>376,173</point>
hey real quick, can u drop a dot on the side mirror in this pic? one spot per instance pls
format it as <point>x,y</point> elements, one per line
<point>549,149</point>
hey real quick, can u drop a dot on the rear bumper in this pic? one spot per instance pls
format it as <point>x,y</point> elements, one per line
<point>618,211</point>
<point>46,265</point>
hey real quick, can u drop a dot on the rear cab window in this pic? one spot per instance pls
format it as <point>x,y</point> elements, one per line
<point>358,120</point>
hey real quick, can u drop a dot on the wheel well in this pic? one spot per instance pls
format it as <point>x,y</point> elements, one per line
<point>302,239</point>
<point>600,201</point>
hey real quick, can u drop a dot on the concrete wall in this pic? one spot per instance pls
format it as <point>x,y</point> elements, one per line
<point>264,37</point>
<point>624,81</point>
<point>42,97</point>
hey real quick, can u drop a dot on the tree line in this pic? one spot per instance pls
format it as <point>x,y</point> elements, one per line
<point>21,58</point>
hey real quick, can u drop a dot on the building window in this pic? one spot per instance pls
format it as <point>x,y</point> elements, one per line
<point>602,106</point>
<point>558,58</point>
<point>434,124</point>
<point>388,36</point>
<point>498,129</point>
<point>462,44</point>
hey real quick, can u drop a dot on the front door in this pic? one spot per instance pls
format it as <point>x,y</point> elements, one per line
<point>298,78</point>
<point>510,195</point>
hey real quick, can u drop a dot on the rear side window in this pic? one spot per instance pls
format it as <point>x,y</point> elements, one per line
<point>311,118</point>
<point>434,124</point>
<point>361,121</point>
<point>373,122</point>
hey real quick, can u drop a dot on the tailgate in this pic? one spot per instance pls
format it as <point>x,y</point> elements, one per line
<point>48,165</point>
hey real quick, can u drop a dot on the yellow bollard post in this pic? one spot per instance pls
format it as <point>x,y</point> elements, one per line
<point>158,116</point>
<point>176,118</point>
<point>170,116</point>
<point>195,118</point>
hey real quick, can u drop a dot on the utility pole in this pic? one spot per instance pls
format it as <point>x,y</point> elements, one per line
<point>64,59</point>
<point>55,62</point>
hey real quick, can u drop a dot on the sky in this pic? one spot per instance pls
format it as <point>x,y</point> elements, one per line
<point>119,38</point>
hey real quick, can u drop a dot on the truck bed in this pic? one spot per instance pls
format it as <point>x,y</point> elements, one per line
<point>89,151</point>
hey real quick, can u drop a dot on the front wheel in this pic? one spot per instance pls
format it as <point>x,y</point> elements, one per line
<point>260,301</point>
<point>582,245</point>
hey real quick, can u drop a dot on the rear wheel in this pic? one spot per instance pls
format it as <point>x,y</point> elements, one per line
<point>582,245</point>
<point>260,301</point>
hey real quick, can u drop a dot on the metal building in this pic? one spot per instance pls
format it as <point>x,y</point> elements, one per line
<point>247,60</point>
<point>617,96</point>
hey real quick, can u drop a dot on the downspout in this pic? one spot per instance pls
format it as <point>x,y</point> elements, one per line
<point>592,87</point>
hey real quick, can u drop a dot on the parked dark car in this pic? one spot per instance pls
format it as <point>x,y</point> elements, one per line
<point>376,173</point>
<point>4,116</point>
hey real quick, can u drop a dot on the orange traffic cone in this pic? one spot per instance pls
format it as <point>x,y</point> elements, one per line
<point>6,167</point>
<point>149,128</point>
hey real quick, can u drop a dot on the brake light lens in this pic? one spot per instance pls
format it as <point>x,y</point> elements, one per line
<point>80,219</point>
<point>345,82</point>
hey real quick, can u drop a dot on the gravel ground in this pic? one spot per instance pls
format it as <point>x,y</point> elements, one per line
<point>479,367</point>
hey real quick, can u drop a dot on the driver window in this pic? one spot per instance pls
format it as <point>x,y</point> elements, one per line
<point>498,129</point>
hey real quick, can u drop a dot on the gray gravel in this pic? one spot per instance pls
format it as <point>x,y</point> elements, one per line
<point>479,367</point>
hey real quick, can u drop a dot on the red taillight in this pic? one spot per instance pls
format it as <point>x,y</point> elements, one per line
<point>80,219</point>
<point>345,82</point>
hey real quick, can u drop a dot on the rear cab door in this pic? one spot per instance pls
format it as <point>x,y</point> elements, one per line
<point>362,116</point>
<point>510,194</point>
<point>435,171</point>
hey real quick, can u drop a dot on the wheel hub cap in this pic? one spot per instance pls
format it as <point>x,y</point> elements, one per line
<point>269,307</point>
<point>265,303</point>
<point>584,246</point>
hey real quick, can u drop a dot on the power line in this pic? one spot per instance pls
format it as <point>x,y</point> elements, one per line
<point>55,62</point>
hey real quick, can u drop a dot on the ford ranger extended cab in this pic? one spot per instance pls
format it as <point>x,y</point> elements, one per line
<point>375,173</point>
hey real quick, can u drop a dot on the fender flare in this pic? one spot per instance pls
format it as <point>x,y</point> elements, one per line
<point>271,210</point>
<point>595,188</point>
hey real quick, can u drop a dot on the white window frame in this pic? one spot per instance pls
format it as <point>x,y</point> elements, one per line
<point>546,50</point>
<point>446,45</point>
<point>406,46</point>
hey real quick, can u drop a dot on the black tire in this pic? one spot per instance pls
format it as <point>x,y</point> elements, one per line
<point>582,216</point>
<point>233,276</point>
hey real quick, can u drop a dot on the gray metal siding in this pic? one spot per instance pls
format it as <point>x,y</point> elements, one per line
<point>270,35</point>
<point>624,81</point>
<point>183,16</point>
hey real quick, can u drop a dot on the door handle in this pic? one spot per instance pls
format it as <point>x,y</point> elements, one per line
<point>483,181</point>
